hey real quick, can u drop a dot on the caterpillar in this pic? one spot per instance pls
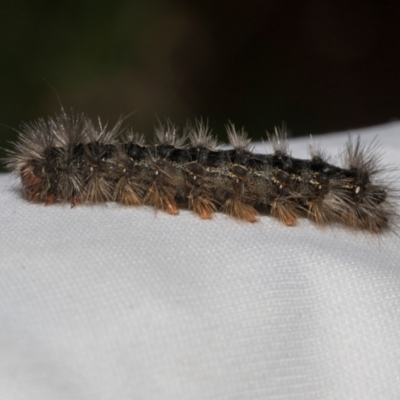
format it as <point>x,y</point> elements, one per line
<point>69,158</point>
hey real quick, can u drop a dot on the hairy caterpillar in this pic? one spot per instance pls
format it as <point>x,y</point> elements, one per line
<point>70,158</point>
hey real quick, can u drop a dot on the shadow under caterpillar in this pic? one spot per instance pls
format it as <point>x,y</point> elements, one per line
<point>70,158</point>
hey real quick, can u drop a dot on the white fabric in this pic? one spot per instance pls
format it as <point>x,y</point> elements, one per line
<point>108,302</point>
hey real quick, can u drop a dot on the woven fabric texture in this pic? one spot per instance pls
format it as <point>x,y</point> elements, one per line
<point>108,302</point>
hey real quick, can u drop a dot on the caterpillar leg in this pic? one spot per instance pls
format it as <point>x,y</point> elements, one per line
<point>240,210</point>
<point>161,199</point>
<point>285,212</point>
<point>202,206</point>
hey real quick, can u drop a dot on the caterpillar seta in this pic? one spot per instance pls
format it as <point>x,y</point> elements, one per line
<point>69,158</point>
